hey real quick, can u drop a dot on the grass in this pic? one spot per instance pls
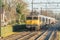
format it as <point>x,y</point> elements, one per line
<point>9,29</point>
<point>6,31</point>
<point>58,35</point>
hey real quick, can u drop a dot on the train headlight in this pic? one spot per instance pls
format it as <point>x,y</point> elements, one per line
<point>28,26</point>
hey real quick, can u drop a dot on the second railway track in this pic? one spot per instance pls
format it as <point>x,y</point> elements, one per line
<point>36,35</point>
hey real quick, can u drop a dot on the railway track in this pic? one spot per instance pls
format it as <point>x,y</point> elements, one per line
<point>28,36</point>
<point>49,34</point>
<point>13,37</point>
<point>36,36</point>
<point>21,35</point>
<point>53,36</point>
<point>42,37</point>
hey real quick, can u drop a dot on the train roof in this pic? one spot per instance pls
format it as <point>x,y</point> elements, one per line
<point>41,16</point>
<point>46,17</point>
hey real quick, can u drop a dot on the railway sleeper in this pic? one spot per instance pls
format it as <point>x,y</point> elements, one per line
<point>28,36</point>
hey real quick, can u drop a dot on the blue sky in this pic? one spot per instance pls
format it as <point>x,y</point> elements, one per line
<point>44,6</point>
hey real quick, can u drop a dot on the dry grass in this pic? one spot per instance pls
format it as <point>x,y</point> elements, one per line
<point>58,35</point>
<point>6,31</point>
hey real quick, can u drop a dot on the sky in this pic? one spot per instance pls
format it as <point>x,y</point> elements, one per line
<point>54,5</point>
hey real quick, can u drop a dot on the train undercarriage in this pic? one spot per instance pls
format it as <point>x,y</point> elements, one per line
<point>33,27</point>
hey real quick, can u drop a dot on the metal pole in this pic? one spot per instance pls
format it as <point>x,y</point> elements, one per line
<point>55,16</point>
<point>32,6</point>
<point>41,11</point>
<point>0,14</point>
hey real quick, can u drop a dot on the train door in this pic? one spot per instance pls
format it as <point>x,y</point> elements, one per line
<point>49,21</point>
<point>46,20</point>
<point>43,19</point>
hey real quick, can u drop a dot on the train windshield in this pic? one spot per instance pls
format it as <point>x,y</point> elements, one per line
<point>29,18</point>
<point>35,18</point>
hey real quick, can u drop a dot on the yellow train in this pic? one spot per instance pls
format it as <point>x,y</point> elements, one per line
<point>35,22</point>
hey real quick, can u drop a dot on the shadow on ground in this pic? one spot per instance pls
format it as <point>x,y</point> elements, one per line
<point>58,28</point>
<point>19,28</point>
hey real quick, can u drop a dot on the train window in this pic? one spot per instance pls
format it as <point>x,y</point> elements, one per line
<point>29,18</point>
<point>46,19</point>
<point>49,20</point>
<point>43,19</point>
<point>35,17</point>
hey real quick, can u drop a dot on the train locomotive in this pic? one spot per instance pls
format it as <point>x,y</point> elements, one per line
<point>36,21</point>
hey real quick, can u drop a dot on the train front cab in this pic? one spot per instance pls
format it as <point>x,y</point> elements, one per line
<point>33,22</point>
